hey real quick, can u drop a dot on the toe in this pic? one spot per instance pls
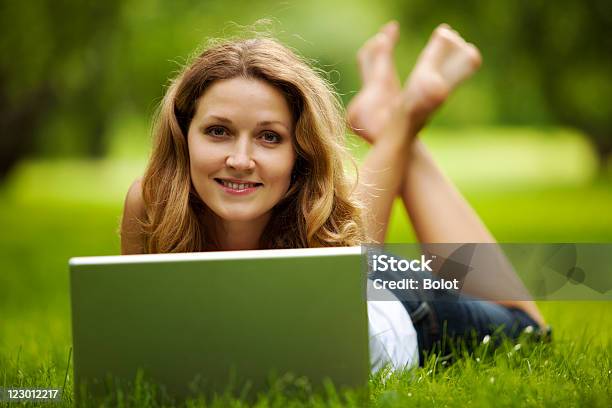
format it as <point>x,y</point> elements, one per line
<point>366,54</point>
<point>366,49</point>
<point>449,36</point>
<point>443,31</point>
<point>391,30</point>
<point>474,55</point>
<point>436,49</point>
<point>444,44</point>
<point>443,26</point>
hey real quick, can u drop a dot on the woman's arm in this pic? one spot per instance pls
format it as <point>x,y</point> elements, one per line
<point>132,238</point>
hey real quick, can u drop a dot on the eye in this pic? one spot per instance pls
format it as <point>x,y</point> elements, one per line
<point>217,131</point>
<point>270,137</point>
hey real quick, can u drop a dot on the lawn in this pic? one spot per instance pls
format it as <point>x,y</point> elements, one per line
<point>40,234</point>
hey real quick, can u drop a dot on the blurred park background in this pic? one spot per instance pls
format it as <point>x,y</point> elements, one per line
<point>528,139</point>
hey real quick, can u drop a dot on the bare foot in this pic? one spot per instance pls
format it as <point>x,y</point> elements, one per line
<point>445,62</point>
<point>368,111</point>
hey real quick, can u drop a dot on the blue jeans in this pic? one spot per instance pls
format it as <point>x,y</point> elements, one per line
<point>442,325</point>
<point>443,321</point>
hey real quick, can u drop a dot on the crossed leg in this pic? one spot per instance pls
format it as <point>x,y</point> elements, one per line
<point>390,117</point>
<point>443,64</point>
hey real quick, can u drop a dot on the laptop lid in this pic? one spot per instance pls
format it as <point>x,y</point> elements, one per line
<point>211,319</point>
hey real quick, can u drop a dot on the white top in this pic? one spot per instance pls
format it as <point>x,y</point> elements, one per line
<point>393,339</point>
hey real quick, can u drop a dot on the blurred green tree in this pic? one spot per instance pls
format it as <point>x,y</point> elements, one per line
<point>70,68</point>
<point>51,74</point>
<point>572,44</point>
<point>549,63</point>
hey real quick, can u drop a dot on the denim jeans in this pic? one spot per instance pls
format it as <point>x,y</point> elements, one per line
<point>442,325</point>
<point>444,320</point>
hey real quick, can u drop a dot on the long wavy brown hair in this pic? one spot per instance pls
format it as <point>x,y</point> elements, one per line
<point>318,209</point>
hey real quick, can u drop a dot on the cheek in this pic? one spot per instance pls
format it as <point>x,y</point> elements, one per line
<point>280,168</point>
<point>204,159</point>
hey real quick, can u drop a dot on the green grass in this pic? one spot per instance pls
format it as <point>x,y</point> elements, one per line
<point>43,229</point>
<point>557,214</point>
<point>35,338</point>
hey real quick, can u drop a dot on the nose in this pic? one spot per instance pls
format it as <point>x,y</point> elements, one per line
<point>239,158</point>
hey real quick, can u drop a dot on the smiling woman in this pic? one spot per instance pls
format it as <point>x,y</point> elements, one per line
<point>241,157</point>
<point>248,154</point>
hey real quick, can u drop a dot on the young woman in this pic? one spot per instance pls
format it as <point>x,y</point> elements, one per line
<point>248,154</point>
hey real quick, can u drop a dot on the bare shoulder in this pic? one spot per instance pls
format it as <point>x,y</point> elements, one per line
<point>134,201</point>
<point>132,237</point>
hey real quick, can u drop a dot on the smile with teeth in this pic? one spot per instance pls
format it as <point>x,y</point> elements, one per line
<point>237,186</point>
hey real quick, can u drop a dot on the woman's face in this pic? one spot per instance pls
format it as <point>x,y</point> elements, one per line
<point>241,148</point>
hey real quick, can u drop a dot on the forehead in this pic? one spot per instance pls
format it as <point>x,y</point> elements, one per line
<point>245,97</point>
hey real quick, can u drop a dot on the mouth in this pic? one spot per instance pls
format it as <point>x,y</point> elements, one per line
<point>238,186</point>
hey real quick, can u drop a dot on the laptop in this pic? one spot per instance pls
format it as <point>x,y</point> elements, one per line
<point>219,321</point>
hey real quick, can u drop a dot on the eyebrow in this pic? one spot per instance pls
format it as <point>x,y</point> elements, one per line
<point>262,123</point>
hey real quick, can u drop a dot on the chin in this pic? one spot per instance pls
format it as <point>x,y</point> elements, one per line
<point>239,214</point>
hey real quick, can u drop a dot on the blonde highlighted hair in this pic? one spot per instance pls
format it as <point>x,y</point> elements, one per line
<point>317,211</point>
